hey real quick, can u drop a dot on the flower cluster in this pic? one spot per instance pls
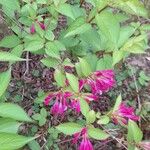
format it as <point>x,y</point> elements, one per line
<point>63,101</point>
<point>85,143</point>
<point>124,113</point>
<point>99,81</point>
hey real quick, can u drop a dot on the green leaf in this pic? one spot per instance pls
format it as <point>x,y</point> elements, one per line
<point>52,50</point>
<point>43,112</point>
<point>70,11</point>
<point>144,76</point>
<point>97,134</point>
<point>92,38</point>
<point>78,69</point>
<point>103,120</point>
<point>34,45</point>
<point>18,50</point>
<point>79,26</point>
<point>134,7</point>
<point>41,1</point>
<point>85,67</point>
<point>4,80</point>
<point>118,56</point>
<point>10,41</point>
<point>8,125</point>
<point>117,103</point>
<point>73,81</point>
<point>104,63</point>
<point>50,62</point>
<point>84,107</point>
<point>145,27</point>
<point>134,132</point>
<point>6,56</point>
<point>9,7</point>
<point>13,111</point>
<point>69,128</point>
<point>34,145</point>
<point>135,44</point>
<point>13,141</point>
<point>59,77</point>
<point>125,33</point>
<point>49,35</point>
<point>109,26</point>
<point>91,117</point>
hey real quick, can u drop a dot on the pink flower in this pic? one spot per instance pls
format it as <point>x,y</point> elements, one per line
<point>60,105</point>
<point>75,105</point>
<point>101,81</point>
<point>42,25</point>
<point>85,143</point>
<point>63,101</point>
<point>90,97</point>
<point>124,113</point>
<point>32,29</point>
<point>145,145</point>
<point>82,82</point>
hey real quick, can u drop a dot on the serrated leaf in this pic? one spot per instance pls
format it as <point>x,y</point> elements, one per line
<point>70,11</point>
<point>34,45</point>
<point>10,41</point>
<point>118,56</point>
<point>4,80</point>
<point>134,132</point>
<point>8,125</point>
<point>117,103</point>
<point>13,111</point>
<point>79,26</point>
<point>13,141</point>
<point>59,77</point>
<point>97,134</point>
<point>49,35</point>
<point>134,7</point>
<point>73,81</point>
<point>6,56</point>
<point>104,63</point>
<point>9,7</point>
<point>135,44</point>
<point>50,62</point>
<point>109,26</point>
<point>85,67</point>
<point>52,50</point>
<point>69,128</point>
<point>84,107</point>
<point>125,33</point>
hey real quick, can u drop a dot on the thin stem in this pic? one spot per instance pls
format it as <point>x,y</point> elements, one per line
<point>89,21</point>
<point>81,2</point>
<point>118,140</point>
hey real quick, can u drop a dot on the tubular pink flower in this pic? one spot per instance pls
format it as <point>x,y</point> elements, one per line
<point>82,82</point>
<point>60,105</point>
<point>101,81</point>
<point>85,143</point>
<point>75,105</point>
<point>42,25</point>
<point>124,113</point>
<point>145,145</point>
<point>90,97</point>
<point>32,29</point>
<point>63,101</point>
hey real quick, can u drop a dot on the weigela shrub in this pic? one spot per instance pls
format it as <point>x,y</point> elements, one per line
<point>85,52</point>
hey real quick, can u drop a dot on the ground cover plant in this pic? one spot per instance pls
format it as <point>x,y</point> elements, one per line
<point>65,63</point>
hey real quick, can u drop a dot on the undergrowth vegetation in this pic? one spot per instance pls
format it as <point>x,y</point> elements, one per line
<point>84,44</point>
